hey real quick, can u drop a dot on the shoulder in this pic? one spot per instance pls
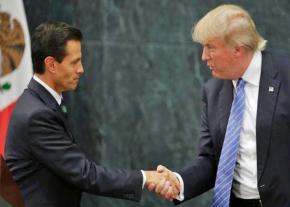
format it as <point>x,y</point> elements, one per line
<point>30,113</point>
<point>276,65</point>
<point>276,59</point>
<point>30,106</point>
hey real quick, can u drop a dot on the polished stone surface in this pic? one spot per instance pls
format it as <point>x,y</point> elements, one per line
<point>138,103</point>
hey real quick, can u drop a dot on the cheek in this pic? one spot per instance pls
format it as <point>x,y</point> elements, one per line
<point>68,73</point>
<point>64,77</point>
<point>221,61</point>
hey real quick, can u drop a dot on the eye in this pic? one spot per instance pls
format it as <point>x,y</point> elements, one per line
<point>75,62</point>
<point>209,47</point>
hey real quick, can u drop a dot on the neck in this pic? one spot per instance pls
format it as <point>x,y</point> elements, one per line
<point>48,81</point>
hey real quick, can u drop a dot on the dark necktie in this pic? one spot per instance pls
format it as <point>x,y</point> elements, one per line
<point>227,163</point>
<point>63,108</point>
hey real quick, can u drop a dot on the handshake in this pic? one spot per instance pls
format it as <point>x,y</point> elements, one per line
<point>163,182</point>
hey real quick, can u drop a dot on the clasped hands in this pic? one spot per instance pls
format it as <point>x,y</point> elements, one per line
<point>163,182</point>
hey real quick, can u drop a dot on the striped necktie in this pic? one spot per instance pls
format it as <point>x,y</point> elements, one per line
<point>226,166</point>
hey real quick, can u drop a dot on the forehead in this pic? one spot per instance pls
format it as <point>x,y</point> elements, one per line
<point>215,41</point>
<point>73,47</point>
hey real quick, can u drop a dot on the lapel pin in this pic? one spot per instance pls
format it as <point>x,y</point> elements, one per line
<point>271,89</point>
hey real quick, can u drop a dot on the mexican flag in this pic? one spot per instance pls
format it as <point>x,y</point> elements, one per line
<point>15,60</point>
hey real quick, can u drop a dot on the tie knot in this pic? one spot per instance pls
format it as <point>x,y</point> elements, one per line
<point>240,83</point>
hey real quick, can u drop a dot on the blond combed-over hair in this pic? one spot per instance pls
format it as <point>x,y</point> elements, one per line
<point>231,23</point>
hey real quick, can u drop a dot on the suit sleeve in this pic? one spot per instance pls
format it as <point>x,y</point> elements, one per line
<point>52,146</point>
<point>200,176</point>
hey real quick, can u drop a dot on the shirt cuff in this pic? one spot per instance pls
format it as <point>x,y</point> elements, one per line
<point>144,178</point>
<point>180,196</point>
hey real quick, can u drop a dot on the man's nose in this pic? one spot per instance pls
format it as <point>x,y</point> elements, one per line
<point>204,55</point>
<point>81,69</point>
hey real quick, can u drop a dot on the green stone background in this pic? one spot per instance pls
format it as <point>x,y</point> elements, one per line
<point>138,103</point>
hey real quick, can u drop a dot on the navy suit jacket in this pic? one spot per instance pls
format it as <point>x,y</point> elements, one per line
<point>47,164</point>
<point>272,133</point>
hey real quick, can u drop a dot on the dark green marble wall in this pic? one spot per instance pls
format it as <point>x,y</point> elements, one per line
<point>138,103</point>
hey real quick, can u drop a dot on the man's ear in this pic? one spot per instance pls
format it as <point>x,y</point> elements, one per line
<point>50,64</point>
<point>239,51</point>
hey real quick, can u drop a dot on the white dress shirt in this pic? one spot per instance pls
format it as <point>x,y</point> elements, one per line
<point>245,175</point>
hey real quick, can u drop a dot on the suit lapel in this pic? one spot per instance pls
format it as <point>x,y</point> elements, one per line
<point>224,106</point>
<point>268,93</point>
<point>48,99</point>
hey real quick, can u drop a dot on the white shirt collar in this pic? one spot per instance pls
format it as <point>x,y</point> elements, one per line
<point>56,96</point>
<point>253,72</point>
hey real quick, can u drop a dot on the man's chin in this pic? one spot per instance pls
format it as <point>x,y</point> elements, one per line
<point>215,75</point>
<point>72,88</point>
<point>219,76</point>
<point>75,87</point>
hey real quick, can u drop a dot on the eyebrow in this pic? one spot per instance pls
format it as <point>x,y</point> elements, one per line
<point>76,60</point>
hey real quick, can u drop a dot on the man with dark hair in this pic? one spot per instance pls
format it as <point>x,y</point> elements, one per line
<point>40,150</point>
<point>44,43</point>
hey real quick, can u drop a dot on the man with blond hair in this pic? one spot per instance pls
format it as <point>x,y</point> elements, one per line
<point>244,147</point>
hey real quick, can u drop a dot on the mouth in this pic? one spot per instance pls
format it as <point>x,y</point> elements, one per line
<point>210,67</point>
<point>208,64</point>
<point>76,81</point>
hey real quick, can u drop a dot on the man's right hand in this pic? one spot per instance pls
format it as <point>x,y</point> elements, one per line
<point>163,182</point>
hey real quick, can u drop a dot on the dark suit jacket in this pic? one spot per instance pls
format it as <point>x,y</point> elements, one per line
<point>272,130</point>
<point>47,164</point>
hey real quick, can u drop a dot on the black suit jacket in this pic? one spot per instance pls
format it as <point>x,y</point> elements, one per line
<point>272,133</point>
<point>48,165</point>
